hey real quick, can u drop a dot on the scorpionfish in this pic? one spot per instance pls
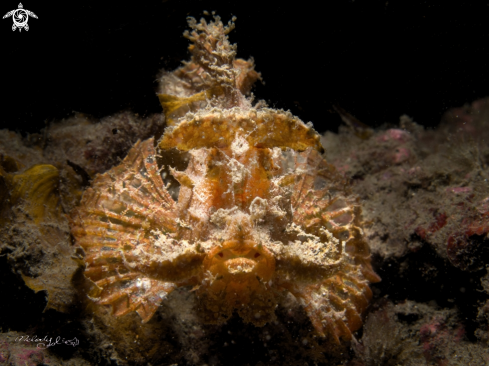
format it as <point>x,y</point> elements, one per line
<point>260,214</point>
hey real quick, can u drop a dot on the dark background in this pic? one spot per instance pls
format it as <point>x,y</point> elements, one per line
<point>376,59</point>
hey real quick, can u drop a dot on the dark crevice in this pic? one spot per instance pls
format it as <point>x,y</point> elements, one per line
<point>424,277</point>
<point>21,307</point>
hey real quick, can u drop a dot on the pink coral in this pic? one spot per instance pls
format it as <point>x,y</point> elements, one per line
<point>395,134</point>
<point>436,337</point>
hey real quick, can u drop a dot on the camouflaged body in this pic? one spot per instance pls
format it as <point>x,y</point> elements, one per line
<point>259,213</point>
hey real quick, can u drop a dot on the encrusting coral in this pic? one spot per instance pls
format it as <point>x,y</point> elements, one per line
<point>260,213</point>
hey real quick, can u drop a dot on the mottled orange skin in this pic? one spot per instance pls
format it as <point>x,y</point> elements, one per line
<point>239,288</point>
<point>225,193</point>
<point>259,214</point>
<point>234,289</point>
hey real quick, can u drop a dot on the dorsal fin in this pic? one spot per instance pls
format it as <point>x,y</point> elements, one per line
<point>212,73</point>
<point>205,104</point>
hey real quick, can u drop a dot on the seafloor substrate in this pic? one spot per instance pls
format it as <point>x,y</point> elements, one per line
<point>425,197</point>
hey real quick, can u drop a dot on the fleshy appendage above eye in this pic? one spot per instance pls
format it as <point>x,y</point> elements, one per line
<point>267,128</point>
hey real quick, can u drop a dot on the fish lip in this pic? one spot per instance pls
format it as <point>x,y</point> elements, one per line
<point>240,265</point>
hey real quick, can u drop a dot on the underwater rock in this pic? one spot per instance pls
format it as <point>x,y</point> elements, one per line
<point>411,333</point>
<point>96,146</point>
<point>35,232</point>
<point>432,201</point>
<point>422,187</point>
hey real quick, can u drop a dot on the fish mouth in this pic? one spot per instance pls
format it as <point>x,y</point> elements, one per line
<point>241,261</point>
<point>239,266</point>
